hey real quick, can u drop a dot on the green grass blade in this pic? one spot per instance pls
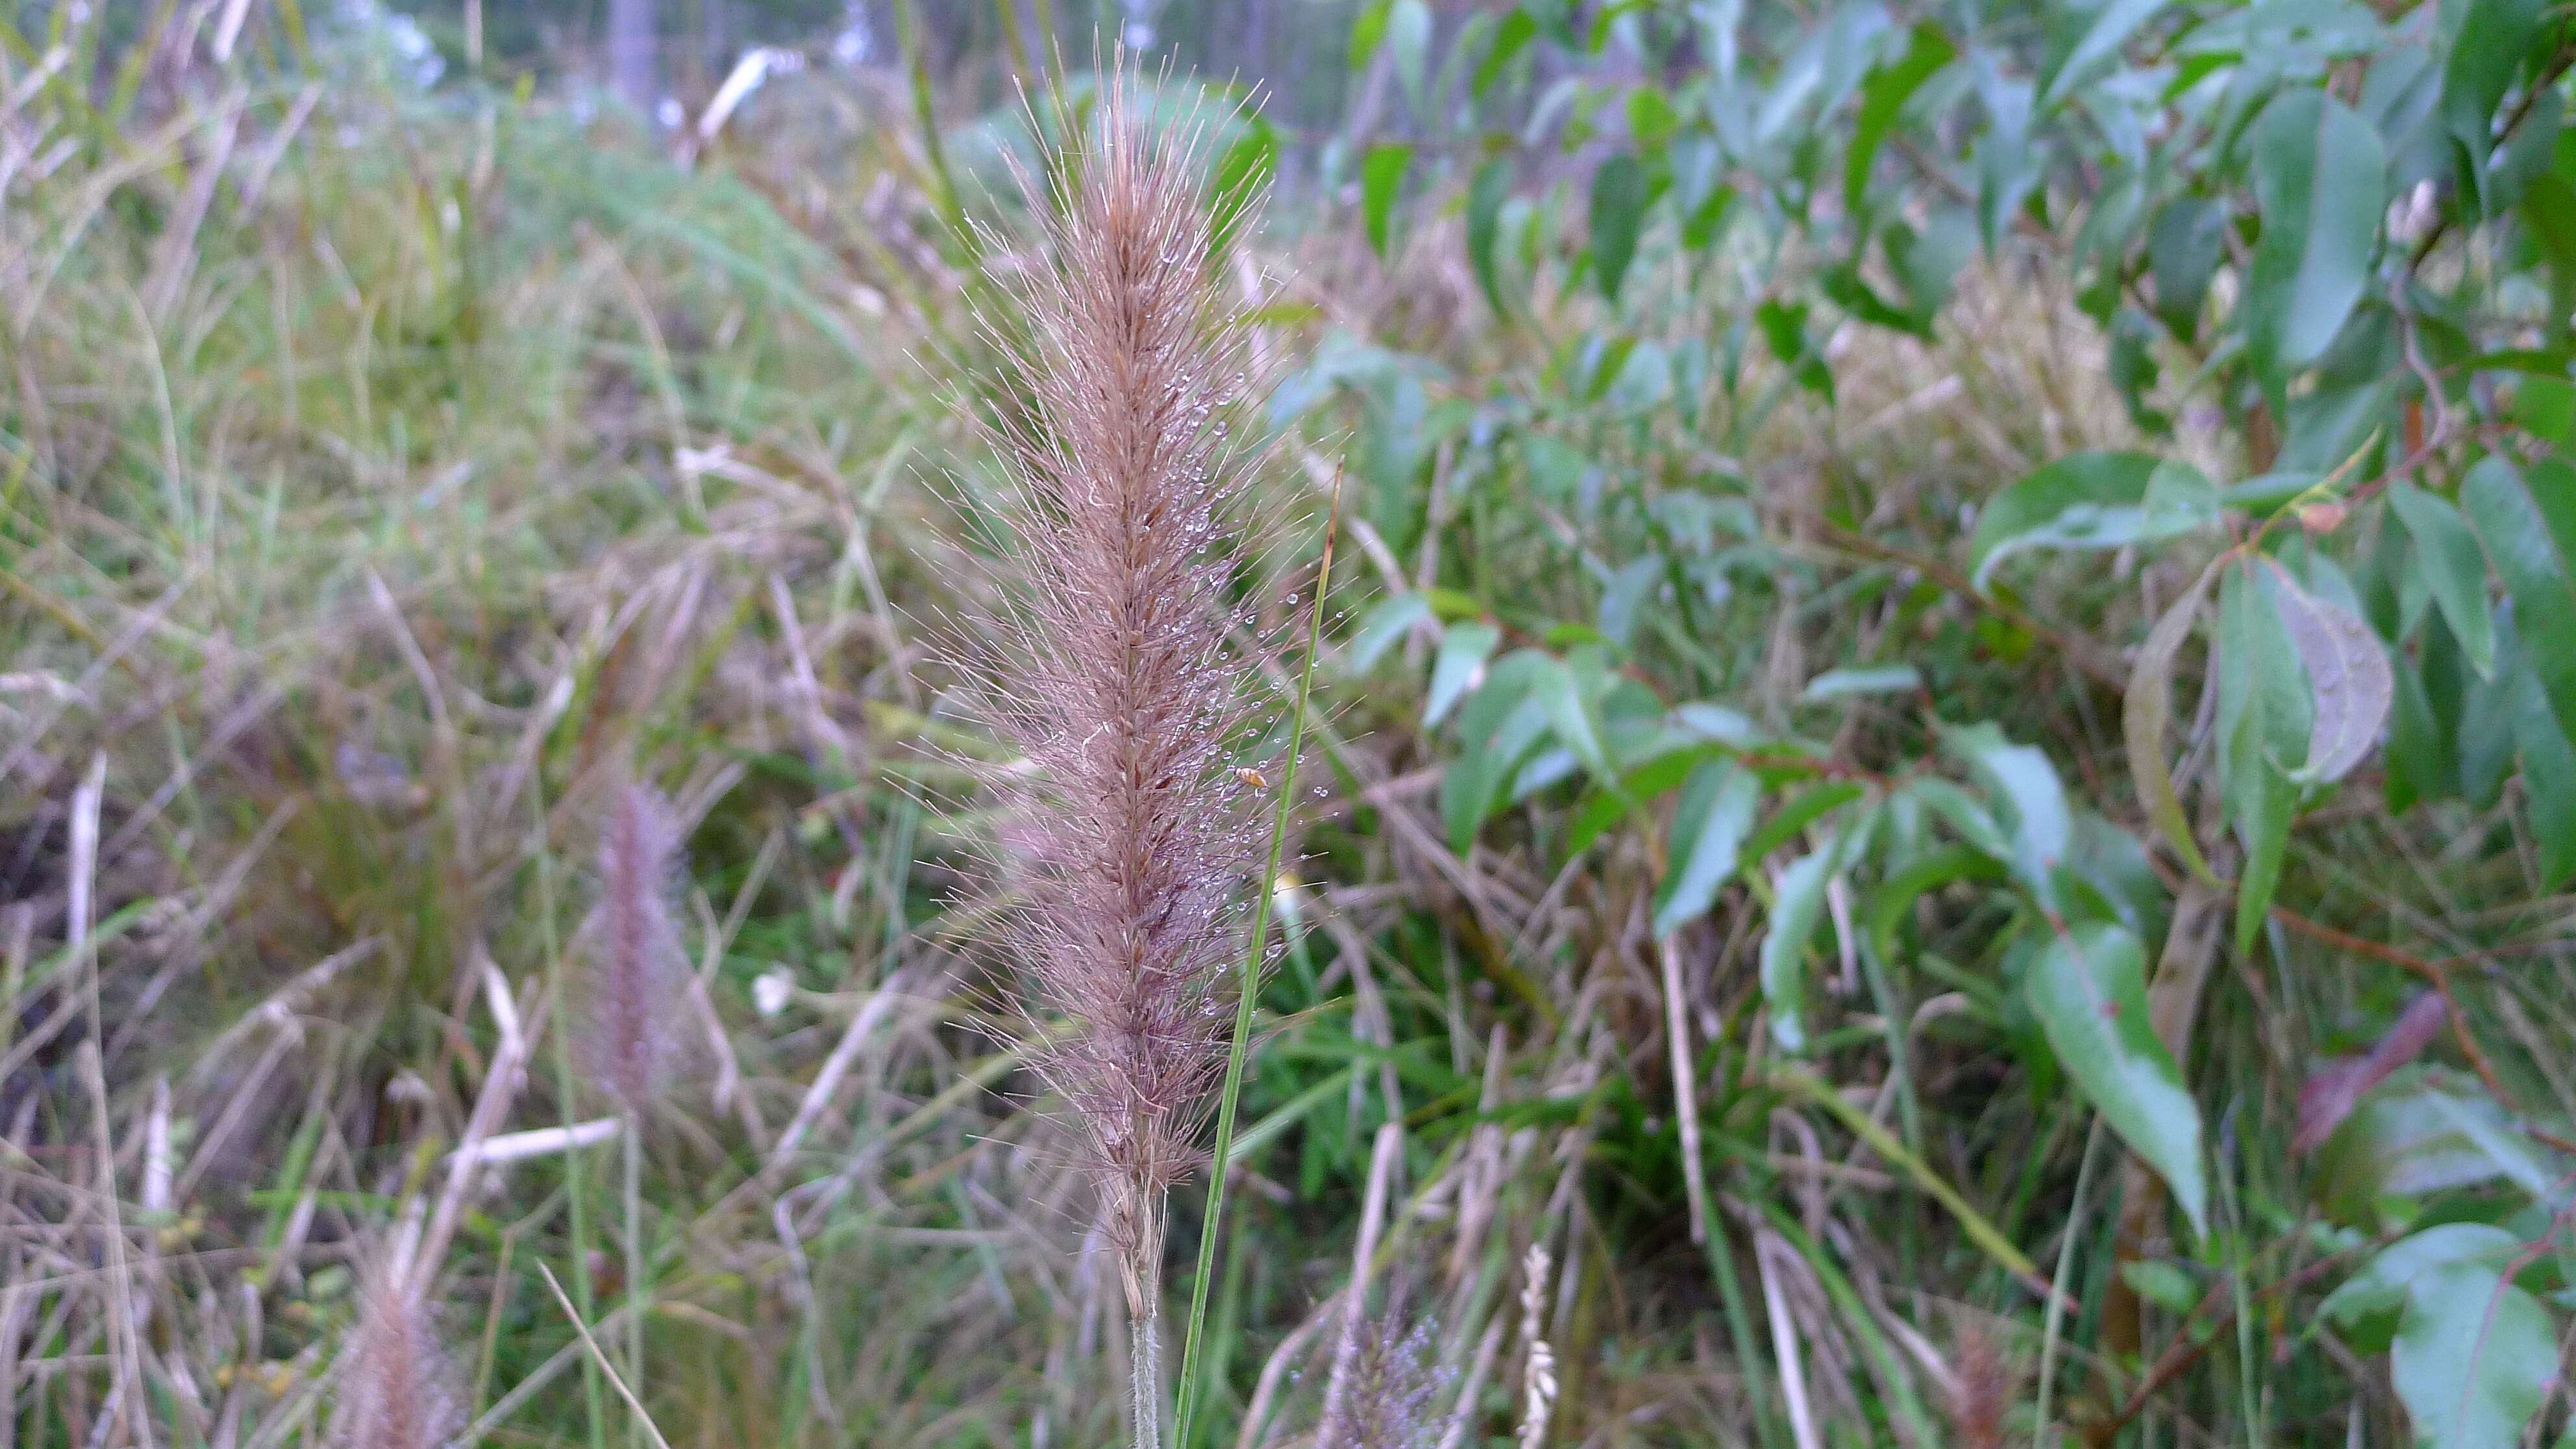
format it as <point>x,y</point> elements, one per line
<point>1213,1219</point>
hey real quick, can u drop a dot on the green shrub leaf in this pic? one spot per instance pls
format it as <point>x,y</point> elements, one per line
<point>1709,826</point>
<point>2529,527</point>
<point>1381,181</point>
<point>1458,667</point>
<point>2092,500</point>
<point>1797,905</point>
<point>2454,567</point>
<point>2474,1359</point>
<point>2088,990</point>
<point>2321,177</point>
<point>1618,213</point>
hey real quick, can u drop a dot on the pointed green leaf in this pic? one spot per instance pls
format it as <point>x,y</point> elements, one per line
<point>2263,717</point>
<point>2529,525</point>
<point>1709,827</point>
<point>1408,45</point>
<point>1967,819</point>
<point>2380,1285</point>
<point>1798,812</point>
<point>2474,1360</point>
<point>1618,214</point>
<point>1381,181</point>
<point>1575,719</point>
<point>2112,25</point>
<point>2423,1131</point>
<point>1501,725</point>
<point>1459,666</point>
<point>2495,38</point>
<point>2321,178</point>
<point>2035,801</point>
<point>1890,85</point>
<point>1390,621</point>
<point>1510,38</point>
<point>2453,566</point>
<point>1836,684</point>
<point>1485,198</point>
<point>1784,327</point>
<point>2088,990</point>
<point>1796,907</point>
<point>2548,779</point>
<point>1368,32</point>
<point>2184,245</point>
<point>2092,500</point>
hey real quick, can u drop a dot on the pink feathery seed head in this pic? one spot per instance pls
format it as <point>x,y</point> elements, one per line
<point>396,1388</point>
<point>637,965</point>
<point>1113,666</point>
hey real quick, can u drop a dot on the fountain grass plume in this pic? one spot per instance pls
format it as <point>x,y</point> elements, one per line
<point>1133,825</point>
<point>637,966</point>
<point>397,1389</point>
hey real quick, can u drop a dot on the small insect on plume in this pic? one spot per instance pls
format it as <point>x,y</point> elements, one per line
<point>637,966</point>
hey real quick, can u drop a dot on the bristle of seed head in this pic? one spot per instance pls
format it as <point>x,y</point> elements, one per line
<point>396,1389</point>
<point>1132,834</point>
<point>637,965</point>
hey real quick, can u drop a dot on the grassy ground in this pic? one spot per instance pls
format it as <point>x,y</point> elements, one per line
<point>384,482</point>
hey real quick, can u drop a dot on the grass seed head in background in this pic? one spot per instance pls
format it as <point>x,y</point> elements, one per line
<point>1390,1396</point>
<point>396,1386</point>
<point>638,967</point>
<point>1981,1390</point>
<point>1110,669</point>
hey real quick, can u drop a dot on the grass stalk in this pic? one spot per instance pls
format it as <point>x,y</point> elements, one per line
<point>2054,1321</point>
<point>1229,1095</point>
<point>1145,1372</point>
<point>576,1206</point>
<point>634,1163</point>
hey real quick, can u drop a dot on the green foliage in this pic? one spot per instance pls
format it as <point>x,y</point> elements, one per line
<point>2329,254</point>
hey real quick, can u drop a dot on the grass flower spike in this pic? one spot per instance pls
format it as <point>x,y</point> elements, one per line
<point>1135,826</point>
<point>638,967</point>
<point>395,1388</point>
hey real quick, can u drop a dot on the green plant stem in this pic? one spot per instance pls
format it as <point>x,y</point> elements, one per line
<point>2055,1319</point>
<point>1739,1321</point>
<point>576,1206</point>
<point>1232,1093</point>
<point>1798,1082</point>
<point>635,1267</point>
